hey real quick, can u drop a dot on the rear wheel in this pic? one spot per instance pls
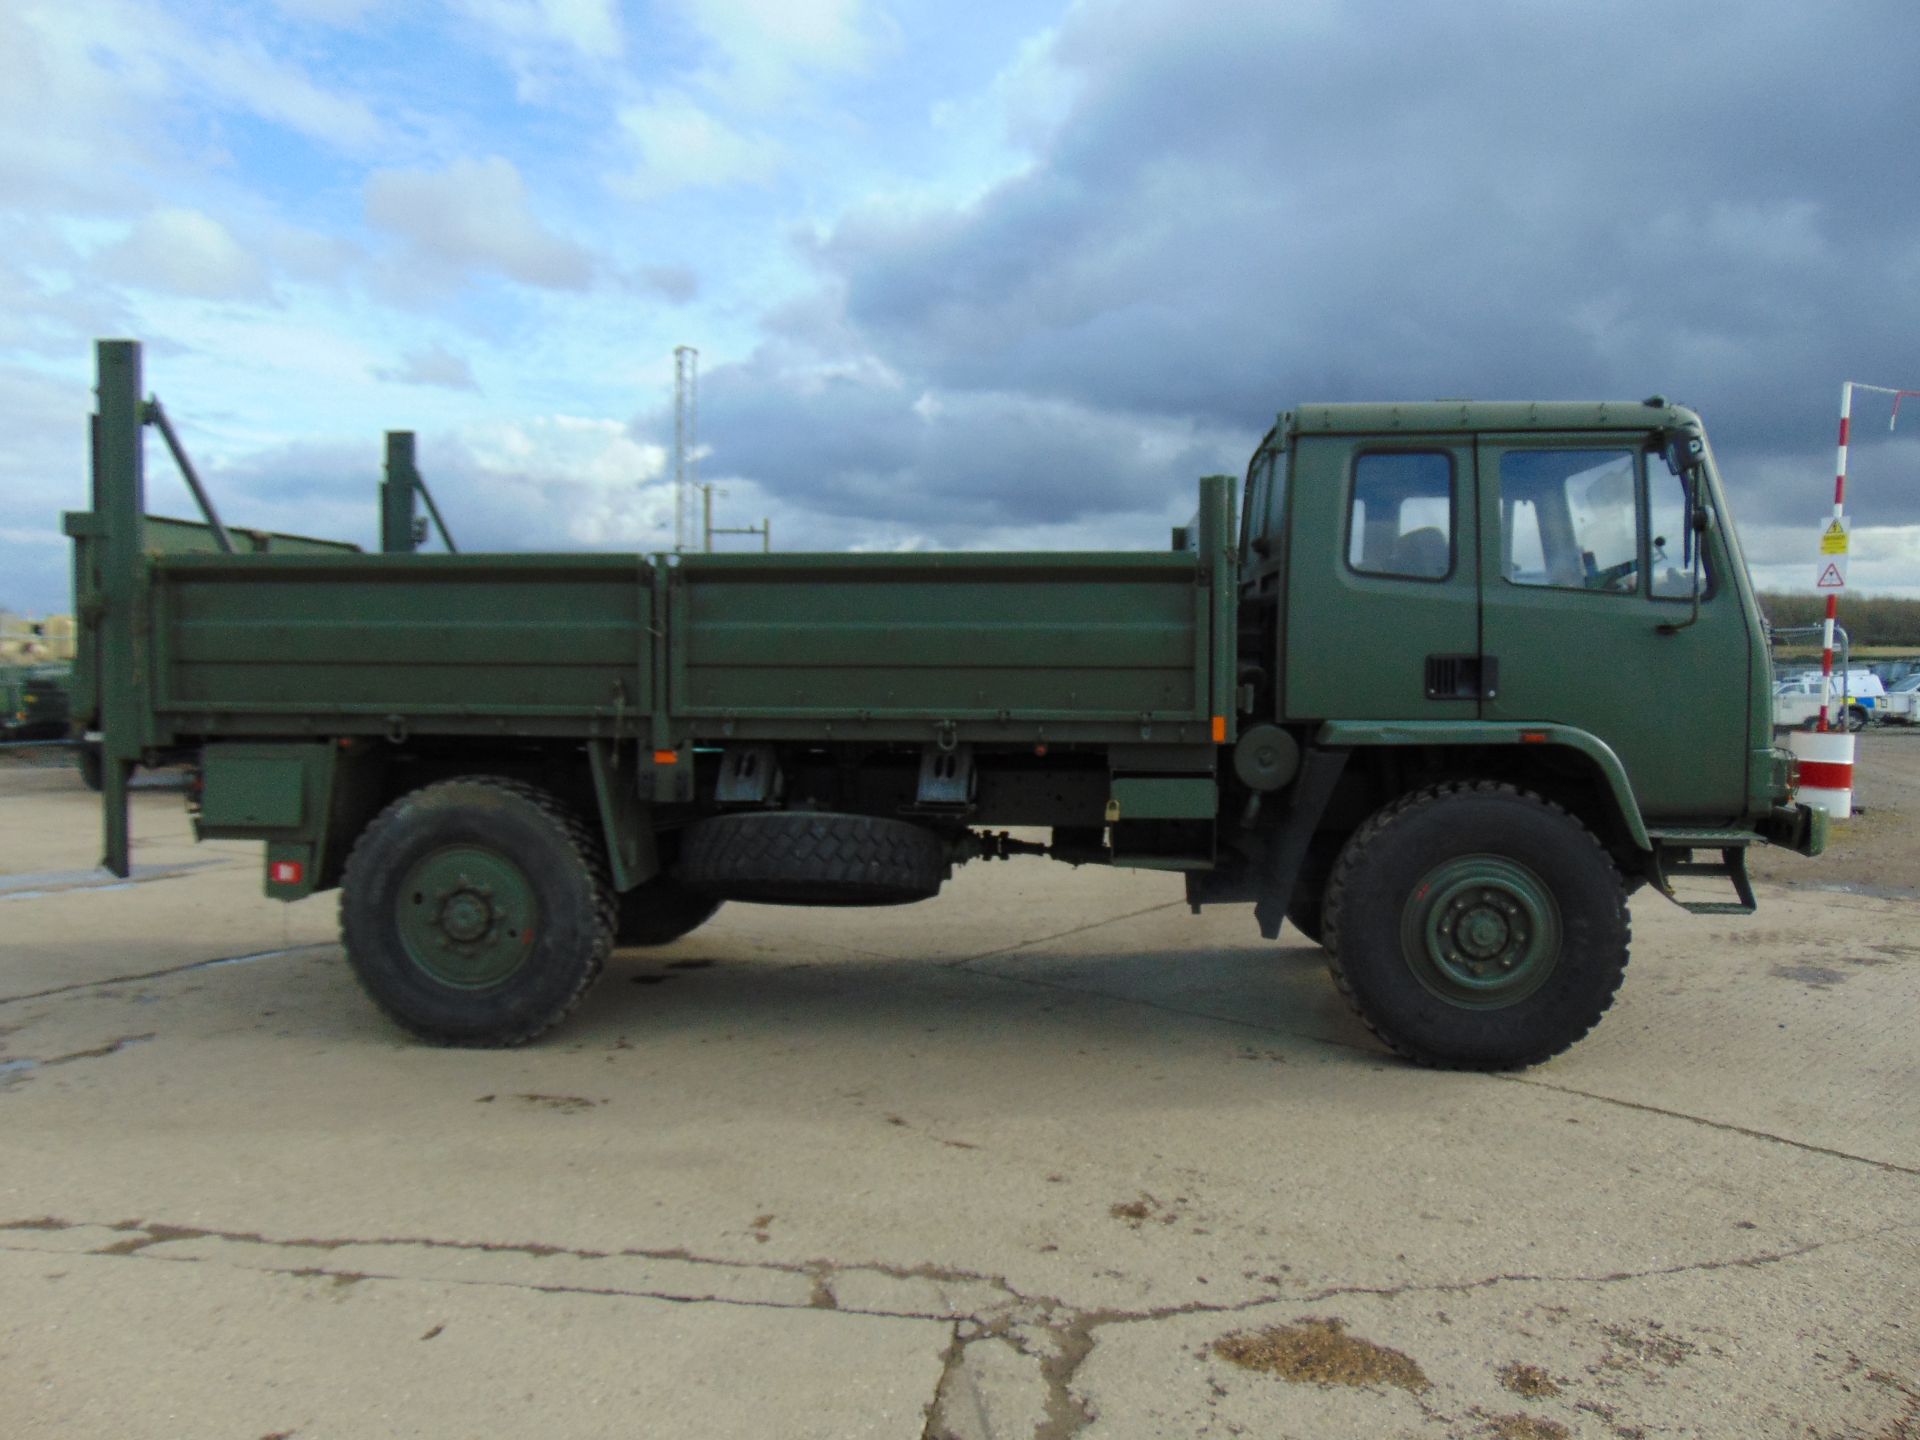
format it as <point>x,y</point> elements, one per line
<point>1477,926</point>
<point>476,911</point>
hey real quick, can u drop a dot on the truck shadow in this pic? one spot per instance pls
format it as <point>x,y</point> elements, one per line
<point>1265,995</point>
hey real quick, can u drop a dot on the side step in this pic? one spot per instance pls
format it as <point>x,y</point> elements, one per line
<point>1673,855</point>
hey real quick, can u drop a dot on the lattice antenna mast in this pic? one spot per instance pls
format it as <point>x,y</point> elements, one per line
<point>686,443</point>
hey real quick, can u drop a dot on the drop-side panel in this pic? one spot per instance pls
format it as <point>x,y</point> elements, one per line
<point>429,636</point>
<point>1033,637</point>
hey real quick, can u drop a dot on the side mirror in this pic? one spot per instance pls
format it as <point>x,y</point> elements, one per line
<point>1684,448</point>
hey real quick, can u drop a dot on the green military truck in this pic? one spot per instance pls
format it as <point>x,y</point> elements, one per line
<point>33,700</point>
<point>1414,695</point>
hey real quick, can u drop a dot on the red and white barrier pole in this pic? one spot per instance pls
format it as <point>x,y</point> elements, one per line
<point>1833,596</point>
<point>1826,757</point>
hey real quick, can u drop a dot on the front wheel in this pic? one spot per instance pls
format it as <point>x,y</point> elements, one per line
<point>476,911</point>
<point>1477,926</point>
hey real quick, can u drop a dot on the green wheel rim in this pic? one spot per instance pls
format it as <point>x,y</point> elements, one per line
<point>467,916</point>
<point>1481,932</point>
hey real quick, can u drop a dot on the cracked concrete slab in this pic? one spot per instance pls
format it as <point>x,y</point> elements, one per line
<point>1011,1163</point>
<point>1605,1358</point>
<point>209,1350</point>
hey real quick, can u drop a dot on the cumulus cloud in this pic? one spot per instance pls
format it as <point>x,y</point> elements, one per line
<point>43,471</point>
<point>549,482</point>
<point>547,44</point>
<point>762,49</point>
<point>89,97</point>
<point>475,215</point>
<point>185,252</point>
<point>678,144</point>
<point>886,459</point>
<point>252,77</point>
<point>1361,201</point>
<point>432,366</point>
<point>676,283</point>
<point>1066,291</point>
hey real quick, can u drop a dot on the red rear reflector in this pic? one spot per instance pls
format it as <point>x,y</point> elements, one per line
<point>1533,737</point>
<point>286,872</point>
<point>1219,729</point>
<point>666,757</point>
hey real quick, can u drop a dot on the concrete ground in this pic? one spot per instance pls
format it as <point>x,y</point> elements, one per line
<point>1044,1157</point>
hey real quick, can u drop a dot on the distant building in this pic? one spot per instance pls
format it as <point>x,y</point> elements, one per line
<point>23,638</point>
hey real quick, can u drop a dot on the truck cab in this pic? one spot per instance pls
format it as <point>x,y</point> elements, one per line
<point>1475,571</point>
<point>1473,621</point>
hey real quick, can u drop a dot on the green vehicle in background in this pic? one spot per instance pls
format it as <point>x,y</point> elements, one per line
<point>33,700</point>
<point>1400,693</point>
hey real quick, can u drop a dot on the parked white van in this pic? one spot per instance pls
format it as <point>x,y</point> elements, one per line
<point>1796,699</point>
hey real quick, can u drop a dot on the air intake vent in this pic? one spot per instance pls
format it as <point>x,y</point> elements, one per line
<point>1461,677</point>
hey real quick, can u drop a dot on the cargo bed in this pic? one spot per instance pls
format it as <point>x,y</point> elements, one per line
<point>1051,646</point>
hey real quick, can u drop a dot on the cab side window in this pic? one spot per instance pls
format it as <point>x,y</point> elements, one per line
<point>1401,519</point>
<point>1570,519</point>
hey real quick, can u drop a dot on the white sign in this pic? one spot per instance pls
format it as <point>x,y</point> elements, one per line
<point>1832,571</point>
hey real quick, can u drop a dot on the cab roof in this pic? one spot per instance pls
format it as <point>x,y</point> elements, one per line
<point>1424,417</point>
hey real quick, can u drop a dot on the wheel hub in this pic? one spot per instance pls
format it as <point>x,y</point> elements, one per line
<point>467,916</point>
<point>1481,931</point>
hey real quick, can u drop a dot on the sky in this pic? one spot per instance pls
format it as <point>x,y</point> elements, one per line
<point>992,275</point>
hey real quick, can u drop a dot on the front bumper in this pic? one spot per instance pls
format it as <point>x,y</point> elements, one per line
<point>1796,827</point>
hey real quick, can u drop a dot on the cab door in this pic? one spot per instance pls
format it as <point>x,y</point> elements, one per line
<point>1383,580</point>
<point>1586,556</point>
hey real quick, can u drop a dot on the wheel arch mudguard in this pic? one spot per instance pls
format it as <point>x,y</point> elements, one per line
<point>1445,734</point>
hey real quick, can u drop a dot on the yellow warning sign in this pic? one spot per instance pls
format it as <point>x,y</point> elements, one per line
<point>1833,540</point>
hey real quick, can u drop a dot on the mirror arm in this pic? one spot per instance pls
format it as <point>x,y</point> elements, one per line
<point>1697,523</point>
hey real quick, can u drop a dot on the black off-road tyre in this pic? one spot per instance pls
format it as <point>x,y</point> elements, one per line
<point>1477,926</point>
<point>477,911</point>
<point>660,911</point>
<point>801,858</point>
